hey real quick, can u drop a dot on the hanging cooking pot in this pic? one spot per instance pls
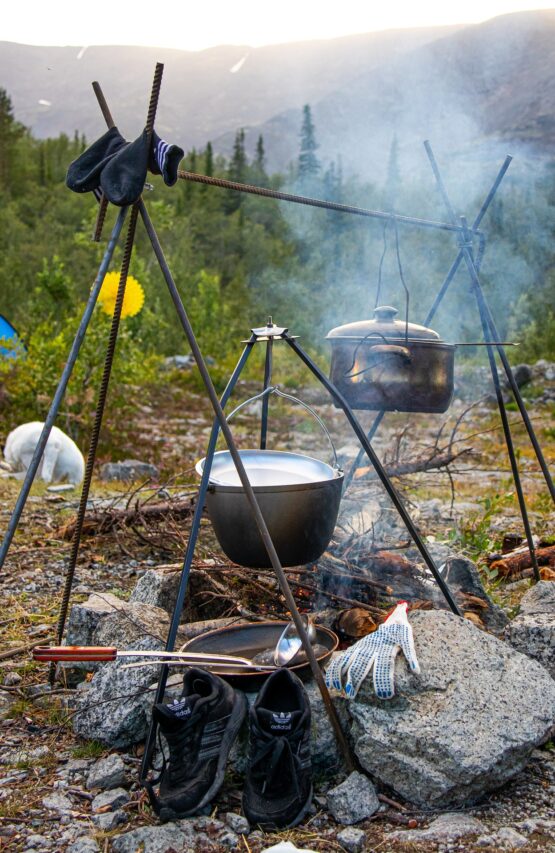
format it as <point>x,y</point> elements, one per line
<point>391,364</point>
<point>298,496</point>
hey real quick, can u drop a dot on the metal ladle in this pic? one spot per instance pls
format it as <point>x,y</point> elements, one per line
<point>289,644</point>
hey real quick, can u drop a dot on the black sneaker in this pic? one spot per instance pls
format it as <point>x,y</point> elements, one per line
<point>199,728</point>
<point>278,785</point>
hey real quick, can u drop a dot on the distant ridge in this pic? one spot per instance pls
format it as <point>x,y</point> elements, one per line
<point>480,86</point>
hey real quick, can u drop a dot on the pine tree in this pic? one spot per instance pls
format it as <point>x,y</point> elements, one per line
<point>209,160</point>
<point>11,131</point>
<point>236,172</point>
<point>393,178</point>
<point>308,164</point>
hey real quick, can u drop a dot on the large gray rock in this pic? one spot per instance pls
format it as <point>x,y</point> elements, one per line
<point>111,708</point>
<point>84,617</point>
<point>129,623</point>
<point>463,727</point>
<point>533,630</point>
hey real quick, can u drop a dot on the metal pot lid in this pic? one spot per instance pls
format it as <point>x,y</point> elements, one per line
<point>384,325</point>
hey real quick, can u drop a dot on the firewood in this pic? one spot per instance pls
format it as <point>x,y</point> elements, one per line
<point>518,562</point>
<point>138,515</point>
<point>355,622</point>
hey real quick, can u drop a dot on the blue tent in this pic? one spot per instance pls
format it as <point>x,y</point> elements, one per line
<point>10,342</point>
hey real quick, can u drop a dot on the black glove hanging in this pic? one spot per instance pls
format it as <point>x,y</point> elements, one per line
<point>164,158</point>
<point>123,178</point>
<point>83,175</point>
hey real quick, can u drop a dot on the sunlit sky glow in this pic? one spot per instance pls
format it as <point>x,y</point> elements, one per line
<point>197,25</point>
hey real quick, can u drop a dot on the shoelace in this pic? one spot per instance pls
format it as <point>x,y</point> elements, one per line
<point>183,744</point>
<point>276,762</point>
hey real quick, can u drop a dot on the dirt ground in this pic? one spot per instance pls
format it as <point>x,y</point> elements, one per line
<point>469,505</point>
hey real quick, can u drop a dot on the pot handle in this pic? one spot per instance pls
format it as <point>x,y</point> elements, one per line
<point>383,349</point>
<point>273,389</point>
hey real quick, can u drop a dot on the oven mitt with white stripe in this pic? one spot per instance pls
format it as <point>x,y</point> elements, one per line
<point>164,159</point>
<point>123,178</point>
<point>348,670</point>
<point>83,175</point>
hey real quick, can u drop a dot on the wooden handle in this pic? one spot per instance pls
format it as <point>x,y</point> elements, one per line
<point>74,653</point>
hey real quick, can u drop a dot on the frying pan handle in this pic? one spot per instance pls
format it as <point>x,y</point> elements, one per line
<point>273,389</point>
<point>74,653</point>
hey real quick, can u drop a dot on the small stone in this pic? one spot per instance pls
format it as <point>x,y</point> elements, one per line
<point>84,845</point>
<point>506,836</point>
<point>157,839</point>
<point>128,470</point>
<point>12,678</point>
<point>38,841</point>
<point>229,839</point>
<point>7,701</point>
<point>57,803</point>
<point>107,821</point>
<point>353,800</point>
<point>238,823</point>
<point>447,827</point>
<point>107,773</point>
<point>352,839</point>
<point>112,799</point>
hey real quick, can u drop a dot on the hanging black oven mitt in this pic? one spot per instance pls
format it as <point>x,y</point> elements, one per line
<point>164,159</point>
<point>123,178</point>
<point>83,175</point>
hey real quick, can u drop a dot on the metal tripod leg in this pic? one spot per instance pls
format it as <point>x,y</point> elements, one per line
<point>61,389</point>
<point>466,252</point>
<point>249,493</point>
<point>188,561</point>
<point>362,453</point>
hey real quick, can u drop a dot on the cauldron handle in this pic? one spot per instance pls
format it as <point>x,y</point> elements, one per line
<point>273,389</point>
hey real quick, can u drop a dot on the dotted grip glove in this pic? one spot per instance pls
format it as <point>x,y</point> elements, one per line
<point>348,670</point>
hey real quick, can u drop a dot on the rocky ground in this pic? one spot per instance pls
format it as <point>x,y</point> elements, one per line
<point>60,791</point>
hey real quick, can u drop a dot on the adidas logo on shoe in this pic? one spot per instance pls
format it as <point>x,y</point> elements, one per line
<point>281,721</point>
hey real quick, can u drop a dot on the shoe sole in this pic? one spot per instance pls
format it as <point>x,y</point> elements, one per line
<point>274,826</point>
<point>236,718</point>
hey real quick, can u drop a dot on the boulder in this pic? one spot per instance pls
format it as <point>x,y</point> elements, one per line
<point>533,630</point>
<point>111,707</point>
<point>464,726</point>
<point>130,622</point>
<point>84,617</point>
<point>128,470</point>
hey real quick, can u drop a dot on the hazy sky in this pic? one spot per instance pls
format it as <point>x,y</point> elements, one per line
<point>203,23</point>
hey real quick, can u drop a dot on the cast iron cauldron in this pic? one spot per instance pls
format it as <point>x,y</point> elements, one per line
<point>299,498</point>
<point>386,364</point>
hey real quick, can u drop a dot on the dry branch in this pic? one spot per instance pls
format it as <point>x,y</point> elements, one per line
<point>139,515</point>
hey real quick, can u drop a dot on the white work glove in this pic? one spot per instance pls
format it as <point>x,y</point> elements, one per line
<point>348,670</point>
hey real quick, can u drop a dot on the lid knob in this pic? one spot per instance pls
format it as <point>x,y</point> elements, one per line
<point>385,314</point>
